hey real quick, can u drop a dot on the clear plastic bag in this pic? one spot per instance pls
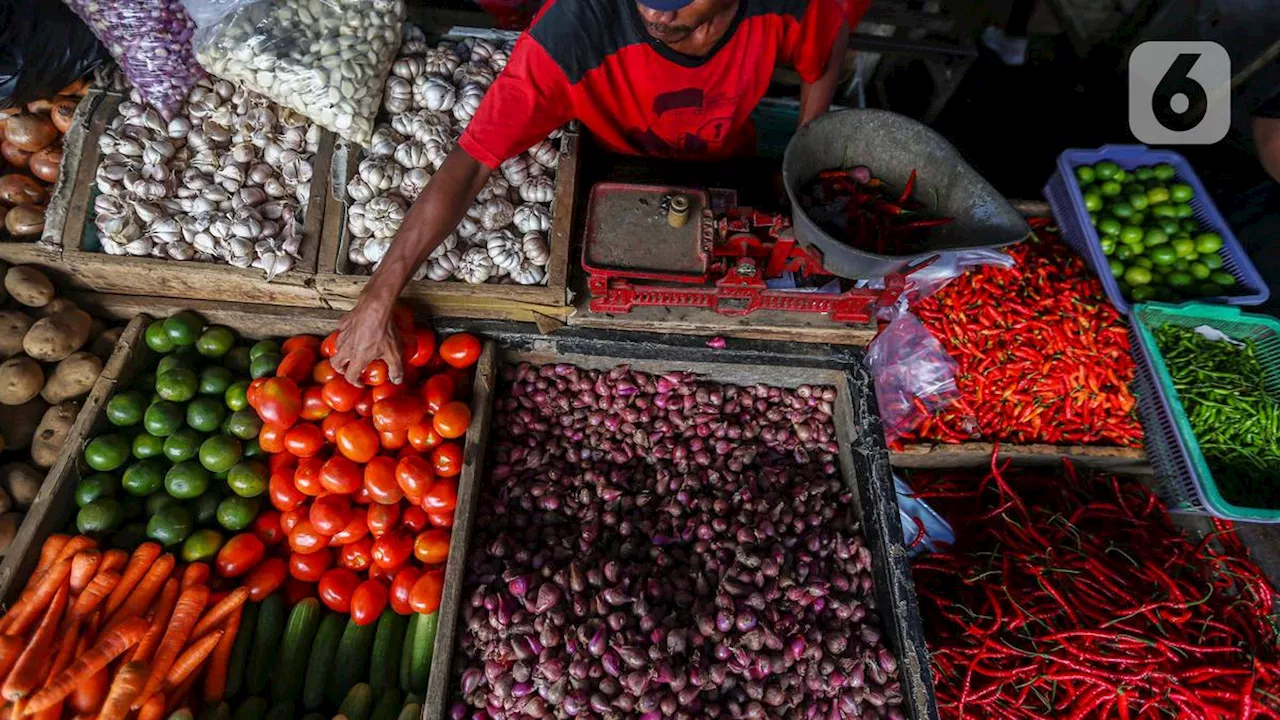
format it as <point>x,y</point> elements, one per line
<point>326,59</point>
<point>151,40</point>
<point>914,375</point>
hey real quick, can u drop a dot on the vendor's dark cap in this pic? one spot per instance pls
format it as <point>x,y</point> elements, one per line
<point>666,5</point>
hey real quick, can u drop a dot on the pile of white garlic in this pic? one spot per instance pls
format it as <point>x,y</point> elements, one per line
<point>227,180</point>
<point>430,96</point>
<point>323,58</point>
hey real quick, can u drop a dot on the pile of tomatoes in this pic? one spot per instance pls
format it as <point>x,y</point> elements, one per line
<point>363,479</point>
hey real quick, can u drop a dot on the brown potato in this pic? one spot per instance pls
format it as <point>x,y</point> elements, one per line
<point>72,377</point>
<point>28,286</point>
<point>18,422</point>
<point>52,433</point>
<point>53,338</point>
<point>22,482</point>
<point>14,325</point>
<point>21,379</point>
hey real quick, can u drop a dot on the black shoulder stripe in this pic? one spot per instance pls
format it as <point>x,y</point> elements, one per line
<point>580,34</point>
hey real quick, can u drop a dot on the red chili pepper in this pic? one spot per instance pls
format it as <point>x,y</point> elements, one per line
<point>906,191</point>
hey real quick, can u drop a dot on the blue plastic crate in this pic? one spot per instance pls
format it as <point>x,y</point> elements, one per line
<point>1067,203</point>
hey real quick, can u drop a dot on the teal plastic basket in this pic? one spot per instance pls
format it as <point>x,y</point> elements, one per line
<point>1185,481</point>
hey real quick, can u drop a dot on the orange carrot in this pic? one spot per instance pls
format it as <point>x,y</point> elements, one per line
<point>124,690</point>
<point>24,615</point>
<point>77,544</point>
<point>26,675</point>
<point>145,592</point>
<point>197,573</point>
<point>70,635</point>
<point>215,681</point>
<point>83,566</point>
<point>90,694</point>
<point>159,621</point>
<point>99,587</point>
<point>185,614</point>
<point>152,709</point>
<point>10,648</point>
<point>141,561</point>
<point>192,658</point>
<point>49,552</point>
<point>180,696</point>
<point>110,646</point>
<point>216,614</point>
<point>113,560</point>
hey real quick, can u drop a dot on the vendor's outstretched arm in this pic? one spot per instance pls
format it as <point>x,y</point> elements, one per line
<point>366,333</point>
<point>815,97</point>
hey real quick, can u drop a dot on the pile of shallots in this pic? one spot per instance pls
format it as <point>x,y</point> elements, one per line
<point>430,96</point>
<point>664,547</point>
<point>226,180</point>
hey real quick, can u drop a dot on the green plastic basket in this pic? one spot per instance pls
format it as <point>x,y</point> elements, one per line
<point>1185,482</point>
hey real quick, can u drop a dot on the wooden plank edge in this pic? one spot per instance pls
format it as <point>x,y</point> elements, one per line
<point>73,145</point>
<point>563,214</point>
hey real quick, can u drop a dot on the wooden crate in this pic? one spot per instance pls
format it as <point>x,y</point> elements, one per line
<point>97,271</point>
<point>340,287</point>
<point>977,454</point>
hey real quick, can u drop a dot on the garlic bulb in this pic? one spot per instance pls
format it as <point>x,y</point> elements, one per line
<point>381,173</point>
<point>414,182</point>
<point>497,213</point>
<point>539,189</point>
<point>441,62</point>
<point>412,154</point>
<point>450,242</point>
<point>398,95</point>
<point>408,68</point>
<point>383,216</point>
<point>504,249</point>
<point>433,93</point>
<point>359,190</point>
<point>444,266</point>
<point>385,141</point>
<point>534,247</point>
<point>531,217</point>
<point>475,73</point>
<point>545,154</point>
<point>475,266</point>
<point>468,101</point>
<point>495,187</point>
<point>529,274</point>
<point>516,169</point>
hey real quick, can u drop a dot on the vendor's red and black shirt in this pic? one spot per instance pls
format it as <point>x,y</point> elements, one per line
<point>594,61</point>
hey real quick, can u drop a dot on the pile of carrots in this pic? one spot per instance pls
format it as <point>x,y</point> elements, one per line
<point>106,632</point>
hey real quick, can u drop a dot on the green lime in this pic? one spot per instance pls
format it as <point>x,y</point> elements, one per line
<point>1181,193</point>
<point>236,513</point>
<point>235,397</point>
<point>163,418</point>
<point>201,546</point>
<point>178,385</point>
<point>159,501</point>
<point>1124,252</point>
<point>1208,243</point>
<point>1181,264</point>
<point>96,487</point>
<point>99,517</point>
<point>264,347</point>
<point>264,365</point>
<point>1169,212</point>
<point>1117,268</point>
<point>1109,226</point>
<point>126,408</point>
<point>1138,201</point>
<point>1184,246</point>
<point>1155,237</point>
<point>1164,172</point>
<point>1092,201</point>
<point>249,478</point>
<point>144,477</point>
<point>172,362</point>
<point>1182,211</point>
<point>1144,173</point>
<point>1106,170</point>
<point>107,452</point>
<point>1213,260</point>
<point>1085,174</point>
<point>205,507</point>
<point>1093,219</point>
<point>1158,194</point>
<point>1180,279</point>
<point>1122,176</point>
<point>1131,234</point>
<point>170,526</point>
<point>186,480</point>
<point>206,414</point>
<point>1108,245</point>
<point>183,328</point>
<point>215,379</point>
<point>243,424</point>
<point>1189,225</point>
<point>1137,219</point>
<point>253,449</point>
<point>1110,188</point>
<point>1137,275</point>
<point>237,361</point>
<point>130,536</point>
<point>1163,255</point>
<point>220,452</point>
<point>1143,262</point>
<point>1200,271</point>
<point>157,339</point>
<point>1211,290</point>
<point>1223,278</point>
<point>1122,210</point>
<point>1142,293</point>
<point>182,445</point>
<point>216,342</point>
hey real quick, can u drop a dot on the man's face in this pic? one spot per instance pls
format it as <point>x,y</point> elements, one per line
<point>674,26</point>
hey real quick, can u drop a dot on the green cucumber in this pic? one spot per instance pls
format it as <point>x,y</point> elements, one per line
<point>266,644</point>
<point>424,645</point>
<point>252,709</point>
<point>240,650</point>
<point>298,636</point>
<point>412,711</point>
<point>388,707</point>
<point>388,641</point>
<point>280,711</point>
<point>406,652</point>
<point>352,660</point>
<point>358,703</point>
<point>415,698</point>
<point>320,660</point>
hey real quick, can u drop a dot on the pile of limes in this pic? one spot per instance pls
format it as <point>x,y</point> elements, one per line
<point>1157,250</point>
<point>181,462</point>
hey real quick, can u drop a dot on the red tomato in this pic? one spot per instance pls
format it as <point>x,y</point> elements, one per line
<point>297,365</point>
<point>341,475</point>
<point>377,572</point>
<point>451,421</point>
<point>336,587</point>
<point>267,527</point>
<point>357,441</point>
<point>414,476</point>
<point>460,350</point>
<point>437,391</point>
<point>423,436</point>
<point>330,345</point>
<point>382,518</point>
<point>266,578</point>
<point>365,405</point>
<point>335,421</point>
<point>279,402</point>
<point>311,566</point>
<point>304,440</point>
<point>406,451</point>
<point>284,494</point>
<point>441,520</point>
<point>414,519</point>
<point>380,481</point>
<point>306,478</point>
<point>426,592</point>
<point>401,587</point>
<point>375,373</point>
<point>340,394</point>
<point>271,438</point>
<point>358,555</point>
<point>386,390</point>
<point>441,497</point>
<point>289,519</point>
<point>393,549</point>
<point>431,547</point>
<point>446,459</point>
<point>398,413</point>
<point>313,405</point>
<point>295,591</point>
<point>323,372</point>
<point>241,554</point>
<point>423,347</point>
<point>394,440</point>
<point>329,514</point>
<point>304,538</point>
<point>356,529</point>
<point>281,461</point>
<point>252,393</point>
<point>368,602</point>
<point>297,342</point>
<point>361,496</point>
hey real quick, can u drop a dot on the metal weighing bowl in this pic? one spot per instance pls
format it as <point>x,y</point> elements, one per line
<point>892,145</point>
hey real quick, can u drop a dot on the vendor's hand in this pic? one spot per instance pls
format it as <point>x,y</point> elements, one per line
<point>366,334</point>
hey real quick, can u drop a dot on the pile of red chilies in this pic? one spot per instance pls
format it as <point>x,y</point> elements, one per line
<point>1043,357</point>
<point>1069,596</point>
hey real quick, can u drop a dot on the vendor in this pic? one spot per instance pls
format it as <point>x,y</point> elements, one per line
<point>664,78</point>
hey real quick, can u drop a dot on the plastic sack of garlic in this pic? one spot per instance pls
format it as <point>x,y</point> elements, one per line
<point>430,96</point>
<point>227,180</point>
<point>323,58</point>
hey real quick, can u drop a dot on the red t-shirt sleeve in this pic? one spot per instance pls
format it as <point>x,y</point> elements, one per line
<point>528,100</point>
<point>807,45</point>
